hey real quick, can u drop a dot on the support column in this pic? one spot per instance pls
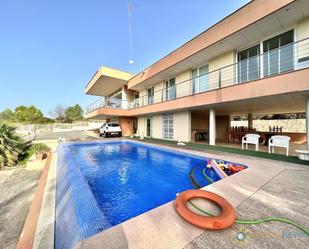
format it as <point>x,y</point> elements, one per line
<point>212,127</point>
<point>307,121</point>
<point>250,121</point>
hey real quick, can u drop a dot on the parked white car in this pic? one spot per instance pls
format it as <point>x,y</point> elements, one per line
<point>110,129</point>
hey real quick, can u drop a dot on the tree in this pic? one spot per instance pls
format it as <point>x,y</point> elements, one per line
<point>31,114</point>
<point>10,146</point>
<point>58,113</point>
<point>74,113</point>
<point>7,115</point>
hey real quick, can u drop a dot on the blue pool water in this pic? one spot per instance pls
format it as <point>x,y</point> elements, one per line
<point>102,184</point>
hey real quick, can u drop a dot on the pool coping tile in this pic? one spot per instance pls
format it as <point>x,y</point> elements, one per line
<point>163,228</point>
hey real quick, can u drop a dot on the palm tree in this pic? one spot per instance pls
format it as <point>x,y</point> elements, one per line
<point>11,146</point>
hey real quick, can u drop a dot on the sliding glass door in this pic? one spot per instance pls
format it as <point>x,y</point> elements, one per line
<point>150,95</point>
<point>170,89</point>
<point>278,54</point>
<point>248,64</point>
<point>200,79</point>
<point>168,126</point>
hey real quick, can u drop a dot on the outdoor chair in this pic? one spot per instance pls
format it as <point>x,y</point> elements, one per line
<point>278,141</point>
<point>250,139</point>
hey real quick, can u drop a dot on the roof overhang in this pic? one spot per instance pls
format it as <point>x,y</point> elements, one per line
<point>247,25</point>
<point>106,81</point>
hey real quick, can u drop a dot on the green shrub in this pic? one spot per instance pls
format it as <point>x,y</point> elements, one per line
<point>39,147</point>
<point>11,146</point>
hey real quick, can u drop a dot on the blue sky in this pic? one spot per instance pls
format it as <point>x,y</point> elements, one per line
<point>49,49</point>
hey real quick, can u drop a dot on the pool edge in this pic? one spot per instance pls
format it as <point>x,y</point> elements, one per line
<point>164,228</point>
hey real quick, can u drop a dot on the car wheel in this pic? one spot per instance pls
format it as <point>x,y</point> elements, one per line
<point>105,134</point>
<point>119,134</point>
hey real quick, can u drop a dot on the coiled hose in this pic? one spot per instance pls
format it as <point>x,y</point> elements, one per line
<point>252,222</point>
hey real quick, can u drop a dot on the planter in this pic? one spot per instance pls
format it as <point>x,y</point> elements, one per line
<point>41,155</point>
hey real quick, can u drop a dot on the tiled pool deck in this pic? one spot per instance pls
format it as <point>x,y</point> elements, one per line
<point>266,188</point>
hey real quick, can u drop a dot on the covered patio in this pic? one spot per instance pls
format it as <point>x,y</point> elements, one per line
<point>216,125</point>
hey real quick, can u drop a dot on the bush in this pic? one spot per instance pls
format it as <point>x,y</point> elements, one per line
<point>39,148</point>
<point>11,146</point>
<point>40,151</point>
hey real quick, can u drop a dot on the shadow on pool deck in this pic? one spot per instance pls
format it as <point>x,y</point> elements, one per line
<point>284,196</point>
<point>17,190</point>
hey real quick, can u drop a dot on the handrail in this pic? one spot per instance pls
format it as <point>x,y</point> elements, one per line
<point>253,68</point>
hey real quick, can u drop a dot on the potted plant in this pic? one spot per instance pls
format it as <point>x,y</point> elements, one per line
<point>40,150</point>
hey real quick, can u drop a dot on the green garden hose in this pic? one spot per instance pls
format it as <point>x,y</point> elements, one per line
<point>206,176</point>
<point>253,222</point>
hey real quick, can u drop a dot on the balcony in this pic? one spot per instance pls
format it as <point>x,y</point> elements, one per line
<point>288,58</point>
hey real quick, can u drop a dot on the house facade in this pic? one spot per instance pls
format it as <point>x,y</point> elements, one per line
<point>254,61</point>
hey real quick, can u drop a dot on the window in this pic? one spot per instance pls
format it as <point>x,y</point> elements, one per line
<point>136,95</point>
<point>148,126</point>
<point>168,126</point>
<point>278,54</point>
<point>248,64</point>
<point>150,94</point>
<point>200,79</point>
<point>170,89</point>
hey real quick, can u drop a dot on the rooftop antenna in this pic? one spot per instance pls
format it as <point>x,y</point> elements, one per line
<point>131,61</point>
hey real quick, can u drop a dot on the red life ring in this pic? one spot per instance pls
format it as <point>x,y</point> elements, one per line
<point>225,219</point>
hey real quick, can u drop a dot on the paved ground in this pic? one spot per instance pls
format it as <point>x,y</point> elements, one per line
<point>68,135</point>
<point>284,196</point>
<point>17,191</point>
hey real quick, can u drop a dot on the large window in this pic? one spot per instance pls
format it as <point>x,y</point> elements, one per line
<point>167,126</point>
<point>150,94</point>
<point>278,54</point>
<point>200,79</point>
<point>170,89</point>
<point>248,64</point>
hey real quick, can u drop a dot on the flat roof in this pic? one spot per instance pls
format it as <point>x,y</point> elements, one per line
<point>106,81</point>
<point>239,19</point>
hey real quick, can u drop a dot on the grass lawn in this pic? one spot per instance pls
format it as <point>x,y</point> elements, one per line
<point>210,148</point>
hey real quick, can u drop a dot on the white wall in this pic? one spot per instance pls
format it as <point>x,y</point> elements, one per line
<point>157,126</point>
<point>227,74</point>
<point>302,32</point>
<point>185,87</point>
<point>182,126</point>
<point>141,126</point>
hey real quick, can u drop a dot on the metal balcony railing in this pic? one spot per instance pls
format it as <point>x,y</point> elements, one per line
<point>291,57</point>
<point>107,102</point>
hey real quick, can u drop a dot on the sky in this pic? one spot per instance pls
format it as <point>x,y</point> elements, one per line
<point>50,49</point>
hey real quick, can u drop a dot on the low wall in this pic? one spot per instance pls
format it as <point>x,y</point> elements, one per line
<point>294,128</point>
<point>288,125</point>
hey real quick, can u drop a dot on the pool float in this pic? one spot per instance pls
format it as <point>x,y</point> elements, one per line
<point>235,168</point>
<point>209,164</point>
<point>218,169</point>
<point>225,219</point>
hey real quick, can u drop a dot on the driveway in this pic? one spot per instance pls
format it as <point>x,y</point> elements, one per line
<point>68,135</point>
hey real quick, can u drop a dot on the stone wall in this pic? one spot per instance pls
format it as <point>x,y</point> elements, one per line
<point>288,125</point>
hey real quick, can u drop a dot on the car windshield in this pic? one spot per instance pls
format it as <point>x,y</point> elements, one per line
<point>113,125</point>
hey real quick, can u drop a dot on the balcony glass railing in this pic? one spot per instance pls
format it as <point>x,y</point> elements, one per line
<point>107,102</point>
<point>291,57</point>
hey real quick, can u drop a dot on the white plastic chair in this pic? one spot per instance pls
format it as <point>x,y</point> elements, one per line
<point>279,141</point>
<point>250,139</point>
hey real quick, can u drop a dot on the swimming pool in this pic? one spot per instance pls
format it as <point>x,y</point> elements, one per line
<point>101,184</point>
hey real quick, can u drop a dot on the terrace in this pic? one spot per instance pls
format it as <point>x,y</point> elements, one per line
<point>265,67</point>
